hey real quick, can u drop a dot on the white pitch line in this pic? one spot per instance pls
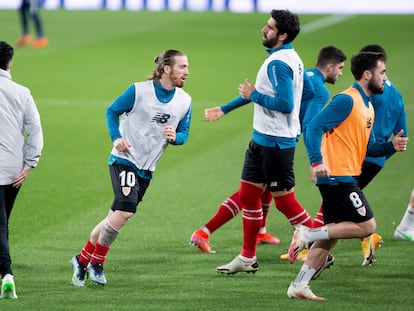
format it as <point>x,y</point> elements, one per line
<point>325,22</point>
<point>68,102</point>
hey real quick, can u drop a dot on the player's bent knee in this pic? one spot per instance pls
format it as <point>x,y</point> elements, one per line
<point>369,227</point>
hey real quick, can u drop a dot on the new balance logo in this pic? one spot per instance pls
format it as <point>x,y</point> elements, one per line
<point>161,118</point>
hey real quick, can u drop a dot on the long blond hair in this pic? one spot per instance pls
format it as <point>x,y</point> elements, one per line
<point>166,58</point>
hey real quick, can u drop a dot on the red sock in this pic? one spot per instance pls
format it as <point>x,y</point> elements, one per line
<point>266,200</point>
<point>318,221</point>
<point>99,255</point>
<point>86,253</point>
<point>252,217</point>
<point>226,211</point>
<point>293,210</point>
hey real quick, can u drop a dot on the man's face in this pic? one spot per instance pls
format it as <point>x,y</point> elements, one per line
<point>335,73</point>
<point>179,71</point>
<point>378,78</point>
<point>270,34</point>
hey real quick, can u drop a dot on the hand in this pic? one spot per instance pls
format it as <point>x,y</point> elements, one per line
<point>321,170</point>
<point>169,133</point>
<point>213,114</point>
<point>245,90</point>
<point>400,143</point>
<point>21,177</point>
<point>122,145</point>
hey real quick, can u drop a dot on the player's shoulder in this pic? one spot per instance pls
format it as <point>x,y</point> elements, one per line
<point>391,89</point>
<point>182,92</point>
<point>310,72</point>
<point>314,75</point>
<point>390,85</point>
<point>17,88</point>
<point>143,83</point>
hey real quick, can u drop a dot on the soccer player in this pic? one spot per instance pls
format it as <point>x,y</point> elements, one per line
<point>405,229</point>
<point>336,159</point>
<point>329,66</point>
<point>268,163</point>
<point>30,9</point>
<point>154,114</point>
<point>390,118</point>
<point>21,144</point>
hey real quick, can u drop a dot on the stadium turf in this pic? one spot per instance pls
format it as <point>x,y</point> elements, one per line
<point>93,56</point>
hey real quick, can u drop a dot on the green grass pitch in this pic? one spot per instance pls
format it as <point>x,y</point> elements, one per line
<point>93,56</point>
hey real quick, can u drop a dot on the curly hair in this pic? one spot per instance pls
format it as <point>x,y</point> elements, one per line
<point>286,22</point>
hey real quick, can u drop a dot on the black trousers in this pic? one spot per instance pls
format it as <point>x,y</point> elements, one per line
<point>8,195</point>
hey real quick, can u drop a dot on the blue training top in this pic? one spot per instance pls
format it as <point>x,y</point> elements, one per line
<point>282,89</point>
<point>390,117</point>
<point>311,107</point>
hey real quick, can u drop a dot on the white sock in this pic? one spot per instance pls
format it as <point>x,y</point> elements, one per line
<point>407,222</point>
<point>246,259</point>
<point>305,274</point>
<point>206,230</point>
<point>314,234</point>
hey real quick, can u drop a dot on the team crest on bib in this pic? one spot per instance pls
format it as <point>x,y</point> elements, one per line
<point>126,191</point>
<point>362,211</point>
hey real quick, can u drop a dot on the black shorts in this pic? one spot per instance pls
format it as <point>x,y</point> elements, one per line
<point>369,171</point>
<point>269,165</point>
<point>344,202</point>
<point>129,188</point>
